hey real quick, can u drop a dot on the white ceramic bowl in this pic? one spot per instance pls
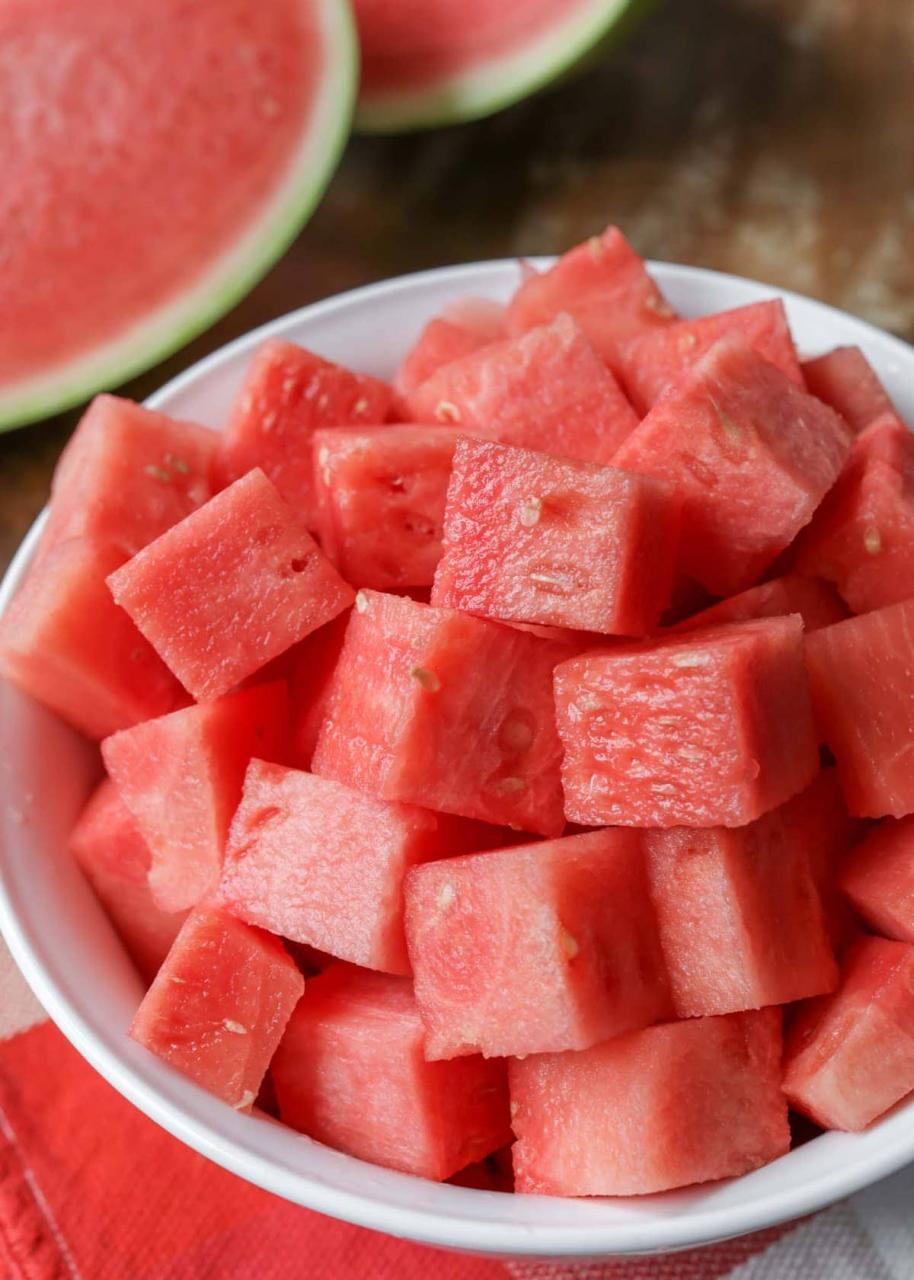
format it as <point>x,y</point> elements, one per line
<point>67,951</point>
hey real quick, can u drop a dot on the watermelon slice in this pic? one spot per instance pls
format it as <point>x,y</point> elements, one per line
<point>181,776</point>
<point>444,62</point>
<point>654,362</point>
<point>815,601</point>
<point>101,278</point>
<point>116,859</point>
<point>380,494</point>
<point>232,586</point>
<point>551,541</point>
<point>709,729</point>
<point>846,380</point>
<point>219,1004</point>
<point>752,455</point>
<point>878,878</point>
<point>287,395</point>
<point>546,390</point>
<point>679,1103</point>
<point>535,949</point>
<point>432,707</point>
<point>350,1072</point>
<point>464,327</point>
<point>313,663</point>
<point>850,1056</point>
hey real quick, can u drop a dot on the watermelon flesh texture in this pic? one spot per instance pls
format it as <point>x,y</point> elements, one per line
<point>380,502</point>
<point>181,775</point>
<point>350,1072</point>
<point>604,285</point>
<point>287,395</point>
<point>850,1056</point>
<point>709,729</point>
<point>845,379</point>
<point>752,456</point>
<point>231,587</point>
<point>64,642</point>
<point>664,1107</point>
<point>547,389</point>
<point>435,708</point>
<point>310,677</point>
<point>116,859</point>
<point>535,949</point>
<point>657,360</point>
<point>464,327</point>
<point>878,879</point>
<point>817,603</point>
<point>218,1006</point>
<point>862,684</point>
<point>550,541</point>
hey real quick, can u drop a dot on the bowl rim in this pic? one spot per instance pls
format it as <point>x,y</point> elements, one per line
<point>165,1104</point>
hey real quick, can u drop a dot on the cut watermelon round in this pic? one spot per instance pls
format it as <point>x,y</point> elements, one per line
<point>157,158</point>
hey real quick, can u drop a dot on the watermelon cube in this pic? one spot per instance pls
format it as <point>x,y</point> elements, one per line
<point>181,775</point>
<point>862,537</point>
<point>845,379</point>
<point>464,327</point>
<point>658,359</point>
<point>552,541</point>
<point>604,285</point>
<point>322,864</point>
<point>64,642</point>
<point>432,707</point>
<point>709,729</point>
<point>128,474</point>
<point>288,393</point>
<point>219,1005</point>
<point>815,601</point>
<point>313,663</point>
<point>663,1107</point>
<point>116,859</point>
<point>229,588</point>
<point>751,454</point>
<point>878,878</point>
<point>740,917</point>
<point>861,675</point>
<point>351,1073</point>
<point>380,495</point>
<point>535,949</point>
<point>850,1056</point>
<point>546,390</point>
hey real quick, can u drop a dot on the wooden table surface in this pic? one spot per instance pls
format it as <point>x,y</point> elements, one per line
<point>771,138</point>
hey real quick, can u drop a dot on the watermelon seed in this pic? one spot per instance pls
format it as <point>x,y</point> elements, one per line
<point>687,341</point>
<point>446,895</point>
<point>447,412</point>
<point>236,1028</point>
<point>553,583</point>
<point>513,1109</point>
<point>596,247</point>
<point>361,602</point>
<point>569,944</point>
<point>512,786</point>
<point>872,540</point>
<point>515,736</point>
<point>663,788</point>
<point>268,420</point>
<point>360,406</point>
<point>426,678</point>
<point>530,511</point>
<point>158,473</point>
<point>691,658</point>
<point>659,305</point>
<point>177,464</point>
<point>244,1101</point>
<point>323,457</point>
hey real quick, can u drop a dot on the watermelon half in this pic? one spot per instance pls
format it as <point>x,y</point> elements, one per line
<point>436,62</point>
<point>157,157</point>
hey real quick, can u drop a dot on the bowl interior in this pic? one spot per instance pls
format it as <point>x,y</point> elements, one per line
<point>70,956</point>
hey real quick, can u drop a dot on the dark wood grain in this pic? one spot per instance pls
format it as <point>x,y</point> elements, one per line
<point>772,138</point>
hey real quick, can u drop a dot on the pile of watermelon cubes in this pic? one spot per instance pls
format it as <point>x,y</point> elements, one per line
<point>509,771</point>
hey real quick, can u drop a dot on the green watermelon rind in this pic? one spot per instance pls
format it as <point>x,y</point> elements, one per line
<point>507,79</point>
<point>236,272</point>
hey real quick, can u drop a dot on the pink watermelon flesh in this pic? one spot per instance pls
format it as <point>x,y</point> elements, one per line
<point>709,729</point>
<point>659,359</point>
<point>815,601</point>
<point>181,776</point>
<point>287,395</point>
<point>219,1005</point>
<point>322,864</point>
<point>862,683</point>
<point>127,475</point>
<point>432,707</point>
<point>741,921</point>
<point>311,674</point>
<point>664,1107</point>
<point>546,390</point>
<point>350,1072</point>
<point>862,537</point>
<point>380,494</point>
<point>751,455</point>
<point>66,643</point>
<point>845,379</point>
<point>231,587</point>
<point>551,541</point>
<point>878,878</point>
<point>467,325</point>
<point>604,285</point>
<point>115,858</point>
<point>850,1056</point>
<point>535,949</point>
